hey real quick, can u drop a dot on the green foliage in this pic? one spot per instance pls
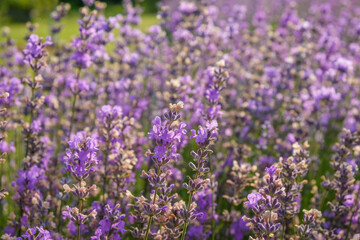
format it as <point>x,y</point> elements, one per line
<point>27,10</point>
<point>70,27</point>
<point>15,13</point>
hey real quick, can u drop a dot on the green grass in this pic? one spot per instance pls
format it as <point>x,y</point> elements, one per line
<point>70,26</point>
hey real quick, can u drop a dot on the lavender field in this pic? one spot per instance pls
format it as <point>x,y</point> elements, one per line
<point>226,120</point>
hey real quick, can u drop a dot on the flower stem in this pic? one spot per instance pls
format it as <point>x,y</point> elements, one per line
<point>78,232</point>
<point>79,224</point>
<point>31,110</point>
<point>148,228</point>
<point>74,104</point>
<point>72,115</point>
<point>104,179</point>
<point>59,217</point>
<point>190,198</point>
<point>151,217</point>
<point>105,155</point>
<point>186,223</point>
<point>212,205</point>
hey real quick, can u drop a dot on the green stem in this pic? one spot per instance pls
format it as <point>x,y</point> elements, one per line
<point>285,207</point>
<point>73,105</point>
<point>104,179</point>
<point>148,228</point>
<point>151,217</point>
<point>186,223</point>
<point>323,200</point>
<point>184,231</point>
<point>59,217</point>
<point>78,232</point>
<point>31,110</point>
<point>212,206</point>
<point>212,221</point>
<point>283,230</point>
<point>72,115</point>
<point>190,197</point>
<point>79,224</point>
<point>21,213</point>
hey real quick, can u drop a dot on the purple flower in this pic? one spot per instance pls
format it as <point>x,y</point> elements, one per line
<point>88,2</point>
<point>81,155</point>
<point>187,7</point>
<point>36,126</point>
<point>205,133</point>
<point>349,200</point>
<point>239,229</point>
<point>344,65</point>
<point>212,95</point>
<point>112,224</point>
<point>34,51</point>
<point>6,147</point>
<point>160,152</point>
<point>200,136</point>
<point>36,233</point>
<point>108,113</point>
<point>197,232</point>
<point>28,179</point>
<point>162,133</point>
<point>211,125</point>
<point>253,199</point>
<point>82,60</point>
<point>271,170</point>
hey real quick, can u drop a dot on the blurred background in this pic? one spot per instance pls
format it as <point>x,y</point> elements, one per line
<point>15,14</point>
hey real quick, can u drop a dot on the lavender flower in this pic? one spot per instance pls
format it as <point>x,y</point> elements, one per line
<point>205,137</point>
<point>167,134</point>
<point>36,233</point>
<point>3,123</point>
<point>292,170</point>
<point>80,160</point>
<point>88,2</point>
<point>311,222</point>
<point>81,156</point>
<point>240,178</point>
<point>265,205</point>
<point>253,199</point>
<point>112,225</point>
<point>294,79</point>
<point>35,52</point>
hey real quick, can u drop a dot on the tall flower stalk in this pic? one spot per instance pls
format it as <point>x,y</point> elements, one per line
<point>294,68</point>
<point>3,124</point>
<point>167,134</point>
<point>35,57</point>
<point>205,137</point>
<point>81,161</point>
<point>81,57</point>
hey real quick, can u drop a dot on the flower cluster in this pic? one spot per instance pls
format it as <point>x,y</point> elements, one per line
<point>3,123</point>
<point>343,183</point>
<point>167,134</point>
<point>81,156</point>
<point>81,161</point>
<point>266,206</point>
<point>311,217</point>
<point>293,170</point>
<point>36,233</point>
<point>112,225</point>
<point>35,52</point>
<point>223,120</point>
